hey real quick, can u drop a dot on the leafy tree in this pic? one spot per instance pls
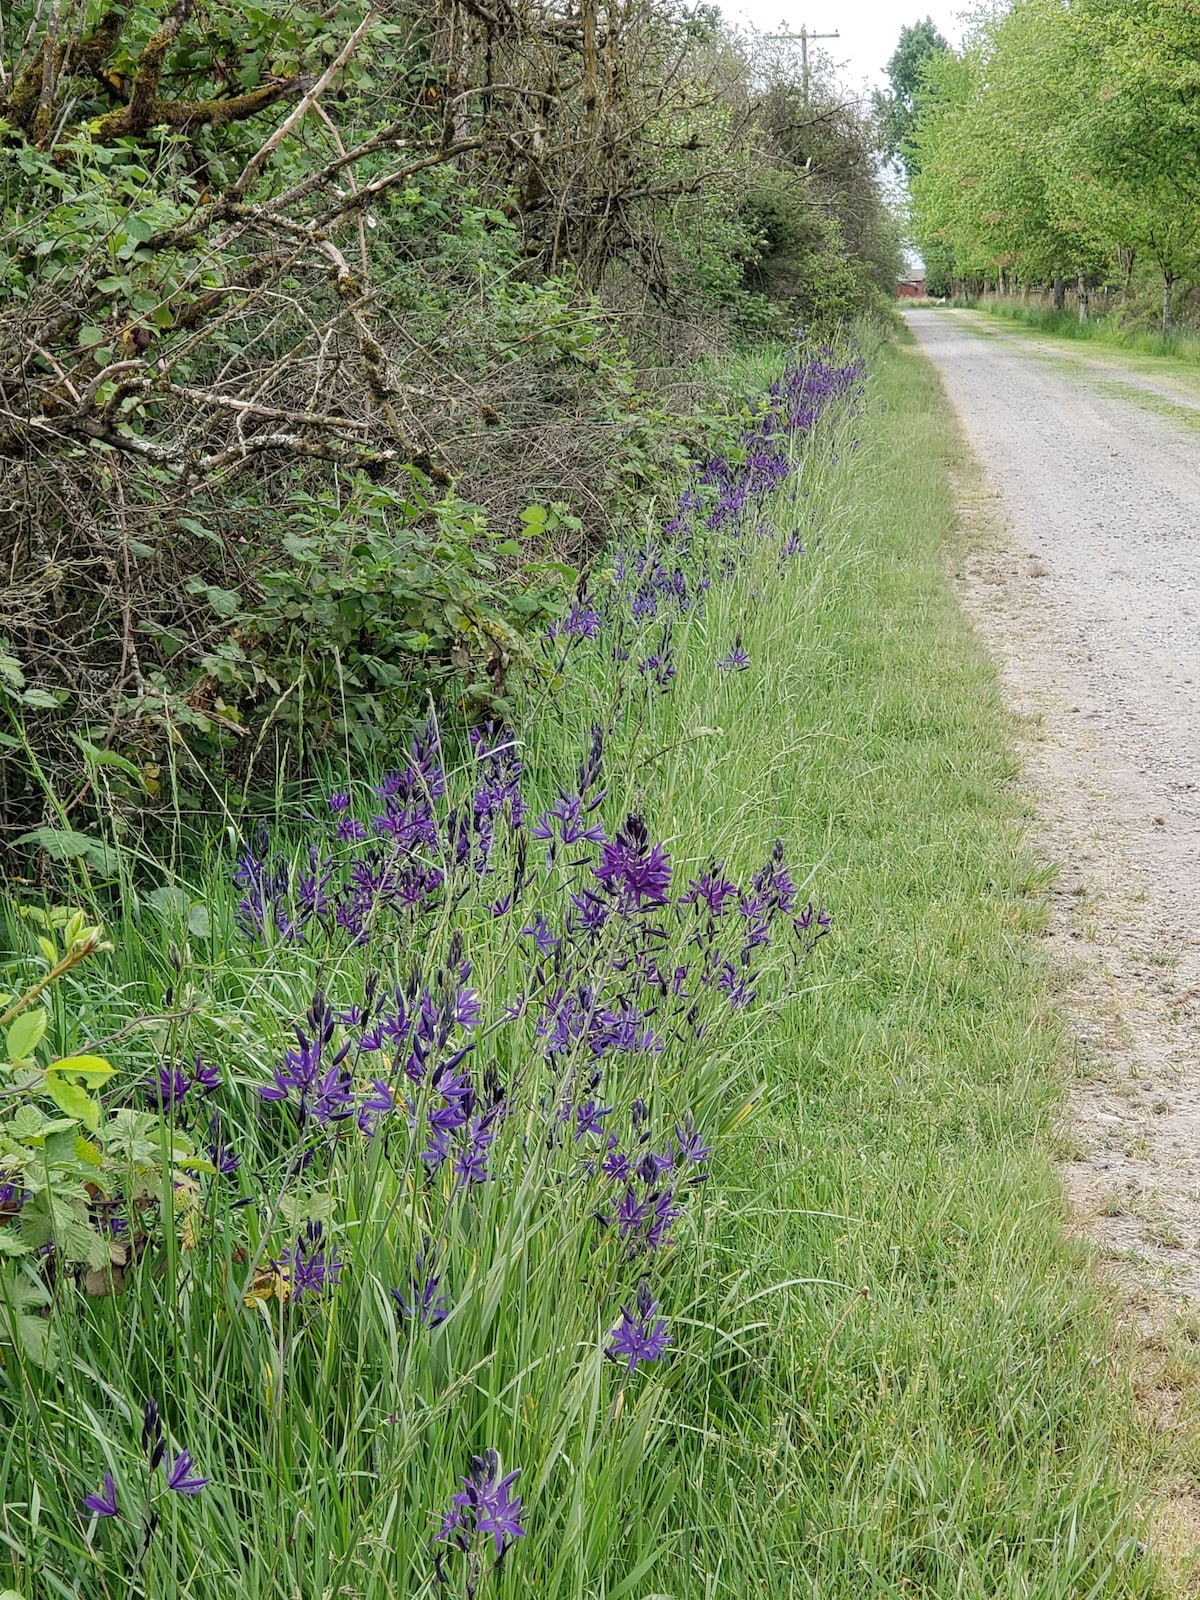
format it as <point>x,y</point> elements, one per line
<point>896,112</point>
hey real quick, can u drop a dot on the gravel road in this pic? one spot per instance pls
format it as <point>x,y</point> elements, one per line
<point>1082,574</point>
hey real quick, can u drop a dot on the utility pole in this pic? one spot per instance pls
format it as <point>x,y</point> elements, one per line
<point>803,36</point>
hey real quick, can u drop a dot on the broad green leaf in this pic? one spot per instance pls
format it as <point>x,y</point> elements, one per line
<point>75,1101</point>
<point>25,1034</point>
<point>96,757</point>
<point>64,844</point>
<point>91,1069</point>
<point>10,670</point>
<point>25,1123</point>
<point>195,1164</point>
<point>20,1297</point>
<point>90,1154</point>
<point>169,901</point>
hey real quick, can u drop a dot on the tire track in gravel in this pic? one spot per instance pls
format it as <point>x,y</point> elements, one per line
<point>1087,592</point>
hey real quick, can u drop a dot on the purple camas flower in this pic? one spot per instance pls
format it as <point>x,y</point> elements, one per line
<point>640,1337</point>
<point>631,1214</point>
<point>103,1504</point>
<point>589,1119</point>
<point>182,1479</point>
<point>375,1105</point>
<point>539,931</point>
<point>312,1267</point>
<point>689,1145</point>
<point>736,987</point>
<point>170,1085</point>
<point>756,916</point>
<point>812,924</point>
<point>567,821</point>
<point>323,1093</point>
<point>737,660</point>
<point>207,1079</point>
<point>223,1156</point>
<point>485,1507</point>
<point>633,868</point>
<point>153,1439</point>
<point>615,1165</point>
<point>581,622</point>
<point>589,914</point>
<point>471,1157</point>
<point>711,888</point>
<point>467,1010</point>
<point>665,1212</point>
<point>424,1304</point>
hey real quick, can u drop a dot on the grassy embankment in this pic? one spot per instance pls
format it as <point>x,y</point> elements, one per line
<point>1143,349</point>
<point>888,1372</point>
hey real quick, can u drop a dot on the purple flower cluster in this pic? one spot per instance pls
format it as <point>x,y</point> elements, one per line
<point>171,1084</point>
<point>314,1077</point>
<point>641,1335</point>
<point>485,1508</point>
<point>423,1302</point>
<point>665,577</point>
<point>612,951</point>
<point>312,1266</point>
<point>181,1476</point>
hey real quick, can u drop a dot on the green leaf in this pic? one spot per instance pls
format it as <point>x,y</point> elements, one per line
<point>225,602</point>
<point>95,757</point>
<point>25,1034</point>
<point>169,901</point>
<point>91,1070</point>
<point>88,1153</point>
<point>74,1101</point>
<point>40,699</point>
<point>64,844</point>
<point>20,1298</point>
<point>199,923</point>
<point>25,1123</point>
<point>10,670</point>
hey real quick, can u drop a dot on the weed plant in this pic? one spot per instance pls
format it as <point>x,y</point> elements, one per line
<point>584,1209</point>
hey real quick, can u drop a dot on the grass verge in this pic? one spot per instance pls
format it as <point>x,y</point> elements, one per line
<point>1179,352</point>
<point>888,1371</point>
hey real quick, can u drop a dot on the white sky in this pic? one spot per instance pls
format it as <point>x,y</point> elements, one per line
<point>869,29</point>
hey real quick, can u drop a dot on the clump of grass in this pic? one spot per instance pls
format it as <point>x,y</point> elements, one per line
<point>594,1158</point>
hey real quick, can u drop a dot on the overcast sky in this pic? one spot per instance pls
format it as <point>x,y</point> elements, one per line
<point>869,29</point>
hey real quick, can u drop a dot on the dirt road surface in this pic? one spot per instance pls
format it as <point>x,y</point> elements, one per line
<point>1085,583</point>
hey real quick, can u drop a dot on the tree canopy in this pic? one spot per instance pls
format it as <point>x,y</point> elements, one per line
<point>1063,142</point>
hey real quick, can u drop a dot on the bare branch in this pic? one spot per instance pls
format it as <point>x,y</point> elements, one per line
<point>285,127</point>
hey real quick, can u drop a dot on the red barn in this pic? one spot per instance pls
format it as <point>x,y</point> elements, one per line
<point>911,288</point>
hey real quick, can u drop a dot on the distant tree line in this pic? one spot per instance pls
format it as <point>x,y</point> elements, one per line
<point>1059,147</point>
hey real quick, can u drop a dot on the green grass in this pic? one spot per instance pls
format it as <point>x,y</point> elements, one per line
<point>890,1372</point>
<point>1181,348</point>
